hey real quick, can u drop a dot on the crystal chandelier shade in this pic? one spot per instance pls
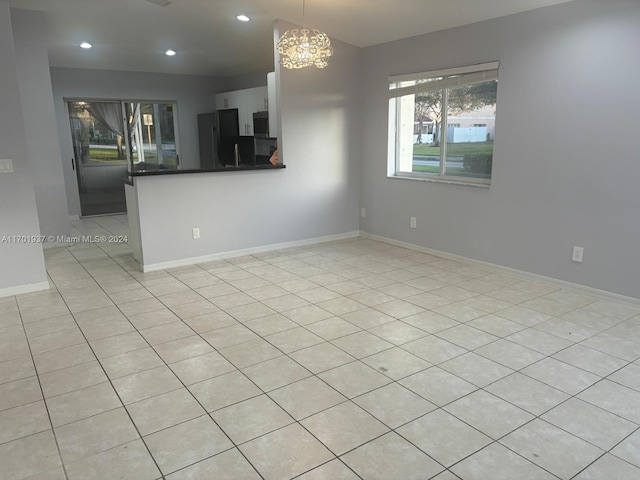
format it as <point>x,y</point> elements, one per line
<point>299,48</point>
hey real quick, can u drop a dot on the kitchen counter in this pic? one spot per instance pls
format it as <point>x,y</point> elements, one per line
<point>231,168</point>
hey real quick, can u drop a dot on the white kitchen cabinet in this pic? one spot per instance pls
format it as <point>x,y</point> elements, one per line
<point>257,99</point>
<point>247,101</point>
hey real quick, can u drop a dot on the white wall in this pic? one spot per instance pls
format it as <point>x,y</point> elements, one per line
<point>565,168</point>
<point>315,196</point>
<point>193,94</point>
<point>320,125</point>
<point>21,264</point>
<point>43,147</point>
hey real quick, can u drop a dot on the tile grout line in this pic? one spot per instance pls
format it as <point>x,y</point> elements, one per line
<point>207,413</point>
<point>46,406</point>
<point>113,387</point>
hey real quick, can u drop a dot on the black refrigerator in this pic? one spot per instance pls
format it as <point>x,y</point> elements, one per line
<point>208,140</point>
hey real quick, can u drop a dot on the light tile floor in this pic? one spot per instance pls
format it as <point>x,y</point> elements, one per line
<point>344,360</point>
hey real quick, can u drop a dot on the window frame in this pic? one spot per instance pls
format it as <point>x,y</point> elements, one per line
<point>475,74</point>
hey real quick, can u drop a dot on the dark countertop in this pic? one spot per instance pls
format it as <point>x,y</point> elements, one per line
<point>150,173</point>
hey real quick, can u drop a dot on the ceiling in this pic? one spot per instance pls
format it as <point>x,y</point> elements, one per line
<point>132,35</point>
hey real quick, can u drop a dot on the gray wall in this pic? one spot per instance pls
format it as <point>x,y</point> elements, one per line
<point>566,156</point>
<point>249,80</point>
<point>193,94</point>
<point>316,195</point>
<point>320,125</point>
<point>43,147</point>
<point>20,263</point>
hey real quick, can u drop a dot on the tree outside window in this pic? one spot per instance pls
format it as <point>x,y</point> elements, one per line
<point>459,109</point>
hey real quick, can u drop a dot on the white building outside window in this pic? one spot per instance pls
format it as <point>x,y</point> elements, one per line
<point>442,124</point>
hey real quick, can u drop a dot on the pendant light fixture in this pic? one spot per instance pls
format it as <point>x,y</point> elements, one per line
<point>301,48</point>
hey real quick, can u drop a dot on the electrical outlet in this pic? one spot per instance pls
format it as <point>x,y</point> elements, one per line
<point>196,233</point>
<point>363,212</point>
<point>578,252</point>
<point>6,165</point>
<point>412,223</point>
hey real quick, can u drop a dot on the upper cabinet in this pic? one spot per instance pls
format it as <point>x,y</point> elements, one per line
<point>229,99</point>
<point>257,99</point>
<point>247,101</point>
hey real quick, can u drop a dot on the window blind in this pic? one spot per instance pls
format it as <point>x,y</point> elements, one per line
<point>431,81</point>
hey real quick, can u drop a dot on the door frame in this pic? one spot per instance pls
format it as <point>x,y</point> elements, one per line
<point>68,138</point>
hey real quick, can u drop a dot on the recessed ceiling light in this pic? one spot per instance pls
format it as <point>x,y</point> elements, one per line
<point>243,18</point>
<point>85,45</point>
<point>170,53</point>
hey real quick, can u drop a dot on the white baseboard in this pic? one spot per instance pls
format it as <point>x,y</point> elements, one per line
<point>247,251</point>
<point>20,289</point>
<point>602,294</point>
<point>74,217</point>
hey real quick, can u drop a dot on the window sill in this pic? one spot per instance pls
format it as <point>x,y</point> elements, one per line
<point>440,180</point>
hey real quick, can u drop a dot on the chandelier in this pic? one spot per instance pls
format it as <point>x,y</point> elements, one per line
<point>302,47</point>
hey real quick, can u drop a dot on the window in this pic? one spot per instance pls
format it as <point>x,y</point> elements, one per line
<point>433,124</point>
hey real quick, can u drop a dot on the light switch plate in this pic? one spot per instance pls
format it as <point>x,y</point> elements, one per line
<point>6,165</point>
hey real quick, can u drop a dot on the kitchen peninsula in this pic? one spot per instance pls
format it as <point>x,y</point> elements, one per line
<point>221,205</point>
<point>177,217</point>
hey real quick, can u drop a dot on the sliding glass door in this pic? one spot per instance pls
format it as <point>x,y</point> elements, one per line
<point>111,138</point>
<point>100,157</point>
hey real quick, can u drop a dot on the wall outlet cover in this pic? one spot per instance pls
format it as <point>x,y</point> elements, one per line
<point>6,165</point>
<point>578,253</point>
